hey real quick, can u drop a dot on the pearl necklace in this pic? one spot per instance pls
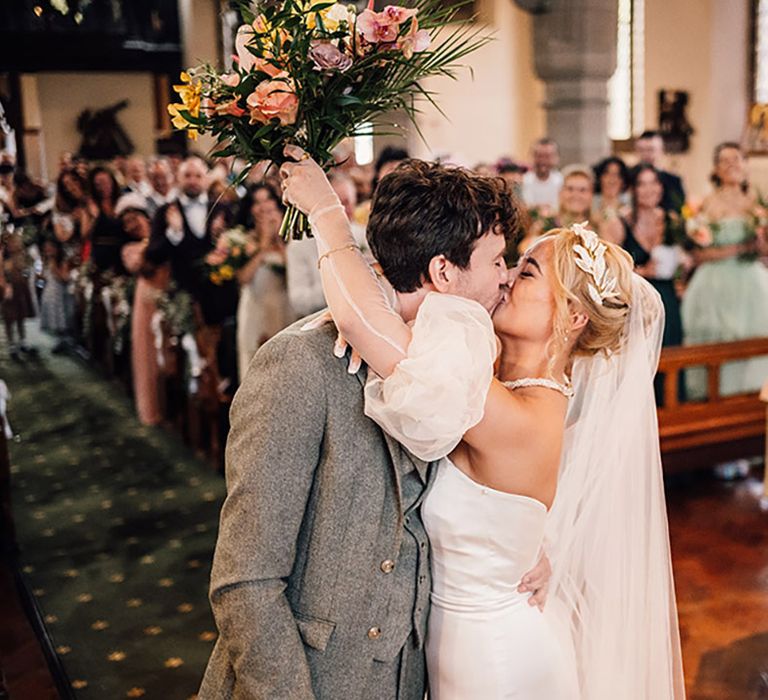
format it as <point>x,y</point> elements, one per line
<point>565,389</point>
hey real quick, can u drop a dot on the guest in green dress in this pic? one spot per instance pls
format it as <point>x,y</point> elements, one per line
<point>727,298</point>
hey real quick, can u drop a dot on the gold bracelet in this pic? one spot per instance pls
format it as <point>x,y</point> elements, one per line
<point>351,246</point>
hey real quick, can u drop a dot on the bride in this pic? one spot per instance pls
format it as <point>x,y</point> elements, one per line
<point>561,445</point>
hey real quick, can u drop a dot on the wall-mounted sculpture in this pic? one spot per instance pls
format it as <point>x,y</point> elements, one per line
<point>103,136</point>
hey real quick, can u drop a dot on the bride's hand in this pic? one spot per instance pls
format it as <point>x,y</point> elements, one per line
<point>304,183</point>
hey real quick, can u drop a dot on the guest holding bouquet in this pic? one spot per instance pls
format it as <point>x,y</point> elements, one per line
<point>727,298</point>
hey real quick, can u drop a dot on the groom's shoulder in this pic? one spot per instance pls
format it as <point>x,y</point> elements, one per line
<point>314,345</point>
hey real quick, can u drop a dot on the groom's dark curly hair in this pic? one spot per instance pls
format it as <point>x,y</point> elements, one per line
<point>422,210</point>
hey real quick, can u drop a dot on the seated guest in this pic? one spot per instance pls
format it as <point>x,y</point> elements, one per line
<point>611,187</point>
<point>133,216</point>
<point>542,183</point>
<point>649,148</point>
<point>305,290</point>
<point>264,309</point>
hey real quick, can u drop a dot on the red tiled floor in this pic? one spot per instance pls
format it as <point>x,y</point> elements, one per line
<point>720,555</point>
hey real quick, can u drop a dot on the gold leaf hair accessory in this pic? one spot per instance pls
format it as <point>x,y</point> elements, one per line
<point>590,257</point>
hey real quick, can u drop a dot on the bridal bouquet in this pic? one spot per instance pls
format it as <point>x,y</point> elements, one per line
<point>313,73</point>
<point>232,252</point>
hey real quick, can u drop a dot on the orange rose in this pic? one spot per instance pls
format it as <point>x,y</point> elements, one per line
<point>274,99</point>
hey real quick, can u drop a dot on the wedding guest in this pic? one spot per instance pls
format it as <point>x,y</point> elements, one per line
<point>17,305</point>
<point>513,173</point>
<point>542,184</point>
<point>388,161</point>
<point>181,229</point>
<point>654,238</point>
<point>73,214</point>
<point>727,298</point>
<point>305,289</point>
<point>105,232</point>
<point>57,305</point>
<point>163,185</point>
<point>134,218</point>
<point>136,177</point>
<point>649,148</point>
<point>611,187</point>
<point>263,309</point>
<point>576,206</point>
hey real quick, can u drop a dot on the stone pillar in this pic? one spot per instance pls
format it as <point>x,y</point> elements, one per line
<point>575,55</point>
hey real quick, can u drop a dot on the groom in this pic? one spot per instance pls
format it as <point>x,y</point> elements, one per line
<point>320,583</point>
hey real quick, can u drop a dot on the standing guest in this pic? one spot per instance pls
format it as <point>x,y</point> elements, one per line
<point>181,229</point>
<point>649,148</point>
<point>57,304</point>
<point>388,161</point>
<point>513,173</point>
<point>611,187</point>
<point>727,298</point>
<point>73,214</point>
<point>136,177</point>
<point>654,237</point>
<point>263,310</point>
<point>305,289</point>
<point>162,182</point>
<point>17,305</point>
<point>104,232</point>
<point>134,218</point>
<point>576,206</point>
<point>542,184</point>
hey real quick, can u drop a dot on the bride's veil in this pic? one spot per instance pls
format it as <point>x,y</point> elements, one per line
<point>607,531</point>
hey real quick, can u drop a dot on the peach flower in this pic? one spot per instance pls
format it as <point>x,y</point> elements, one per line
<point>274,99</point>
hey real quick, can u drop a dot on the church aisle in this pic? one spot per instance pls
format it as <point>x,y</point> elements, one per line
<point>116,526</point>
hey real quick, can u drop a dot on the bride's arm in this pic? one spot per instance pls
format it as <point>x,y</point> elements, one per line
<point>360,307</point>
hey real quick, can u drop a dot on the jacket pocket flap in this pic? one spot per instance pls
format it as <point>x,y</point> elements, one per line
<point>315,632</point>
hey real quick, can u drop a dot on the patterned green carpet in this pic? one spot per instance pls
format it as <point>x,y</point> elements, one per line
<point>116,525</point>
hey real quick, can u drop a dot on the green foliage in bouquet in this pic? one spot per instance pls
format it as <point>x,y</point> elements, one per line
<point>313,73</point>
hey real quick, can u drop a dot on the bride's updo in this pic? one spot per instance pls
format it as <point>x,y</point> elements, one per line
<point>607,305</point>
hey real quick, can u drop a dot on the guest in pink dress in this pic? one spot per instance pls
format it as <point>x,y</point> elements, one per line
<point>151,281</point>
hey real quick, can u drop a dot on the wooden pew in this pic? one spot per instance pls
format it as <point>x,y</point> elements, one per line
<point>700,434</point>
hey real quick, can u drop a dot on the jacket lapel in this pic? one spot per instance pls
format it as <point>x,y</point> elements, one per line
<point>402,459</point>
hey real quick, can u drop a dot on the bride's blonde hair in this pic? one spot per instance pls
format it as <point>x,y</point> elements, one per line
<point>604,330</point>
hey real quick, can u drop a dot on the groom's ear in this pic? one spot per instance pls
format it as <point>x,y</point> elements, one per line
<point>441,273</point>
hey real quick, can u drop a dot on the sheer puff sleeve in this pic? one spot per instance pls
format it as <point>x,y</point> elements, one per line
<point>438,392</point>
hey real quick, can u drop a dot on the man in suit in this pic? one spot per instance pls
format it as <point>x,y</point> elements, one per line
<point>649,147</point>
<point>320,583</point>
<point>183,233</point>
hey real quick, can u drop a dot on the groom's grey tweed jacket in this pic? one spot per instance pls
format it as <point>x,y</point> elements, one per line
<point>320,506</point>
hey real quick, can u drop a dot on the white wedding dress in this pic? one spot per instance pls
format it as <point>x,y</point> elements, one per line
<point>610,627</point>
<point>485,641</point>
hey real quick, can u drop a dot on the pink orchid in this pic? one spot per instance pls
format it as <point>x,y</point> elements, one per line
<point>376,27</point>
<point>415,41</point>
<point>398,14</point>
